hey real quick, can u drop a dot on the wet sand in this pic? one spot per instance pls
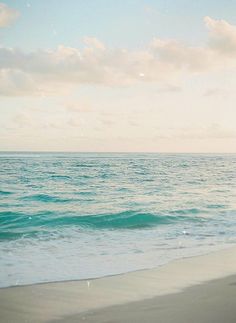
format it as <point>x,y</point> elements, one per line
<point>198,289</point>
<point>213,302</point>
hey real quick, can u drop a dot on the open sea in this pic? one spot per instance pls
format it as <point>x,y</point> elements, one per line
<point>66,216</point>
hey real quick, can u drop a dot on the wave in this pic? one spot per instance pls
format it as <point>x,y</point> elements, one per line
<point>17,222</point>
<point>186,211</point>
<point>60,177</point>
<point>44,198</point>
<point>122,220</point>
<point>84,165</point>
<point>5,192</point>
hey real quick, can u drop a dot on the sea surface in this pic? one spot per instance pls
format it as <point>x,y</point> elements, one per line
<point>66,216</point>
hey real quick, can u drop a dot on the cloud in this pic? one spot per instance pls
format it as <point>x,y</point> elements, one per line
<point>163,62</point>
<point>222,36</point>
<point>179,56</point>
<point>7,15</point>
<point>77,107</point>
<point>22,120</point>
<point>14,82</point>
<point>212,92</point>
<point>213,131</point>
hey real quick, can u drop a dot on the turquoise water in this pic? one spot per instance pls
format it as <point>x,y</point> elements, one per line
<point>75,216</point>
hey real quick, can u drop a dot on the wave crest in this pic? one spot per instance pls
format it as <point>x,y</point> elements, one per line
<point>20,222</point>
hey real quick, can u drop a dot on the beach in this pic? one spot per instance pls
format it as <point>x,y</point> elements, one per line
<point>212,302</point>
<point>117,161</point>
<point>196,289</point>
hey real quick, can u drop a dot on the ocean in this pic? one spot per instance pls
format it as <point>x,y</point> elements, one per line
<point>69,216</point>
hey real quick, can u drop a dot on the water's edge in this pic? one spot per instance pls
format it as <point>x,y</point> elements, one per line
<point>156,268</point>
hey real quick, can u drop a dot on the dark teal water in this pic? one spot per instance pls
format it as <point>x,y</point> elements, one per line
<point>74,216</point>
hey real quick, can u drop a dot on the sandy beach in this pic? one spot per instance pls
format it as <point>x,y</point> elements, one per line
<point>212,302</point>
<point>197,289</point>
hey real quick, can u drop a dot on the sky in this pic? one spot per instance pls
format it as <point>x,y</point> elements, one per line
<point>118,76</point>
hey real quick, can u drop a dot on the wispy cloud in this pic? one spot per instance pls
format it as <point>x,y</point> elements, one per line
<point>14,82</point>
<point>213,92</point>
<point>213,131</point>
<point>77,107</point>
<point>7,15</point>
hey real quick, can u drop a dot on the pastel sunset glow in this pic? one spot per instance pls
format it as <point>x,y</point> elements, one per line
<point>125,76</point>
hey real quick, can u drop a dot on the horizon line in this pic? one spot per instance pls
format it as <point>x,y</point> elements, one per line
<point>110,152</point>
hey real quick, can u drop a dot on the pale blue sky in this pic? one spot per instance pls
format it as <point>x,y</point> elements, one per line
<point>125,23</point>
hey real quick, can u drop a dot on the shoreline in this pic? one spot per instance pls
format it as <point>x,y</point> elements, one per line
<point>207,252</point>
<point>45,302</point>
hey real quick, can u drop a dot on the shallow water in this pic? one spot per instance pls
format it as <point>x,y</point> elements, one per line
<point>75,216</point>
